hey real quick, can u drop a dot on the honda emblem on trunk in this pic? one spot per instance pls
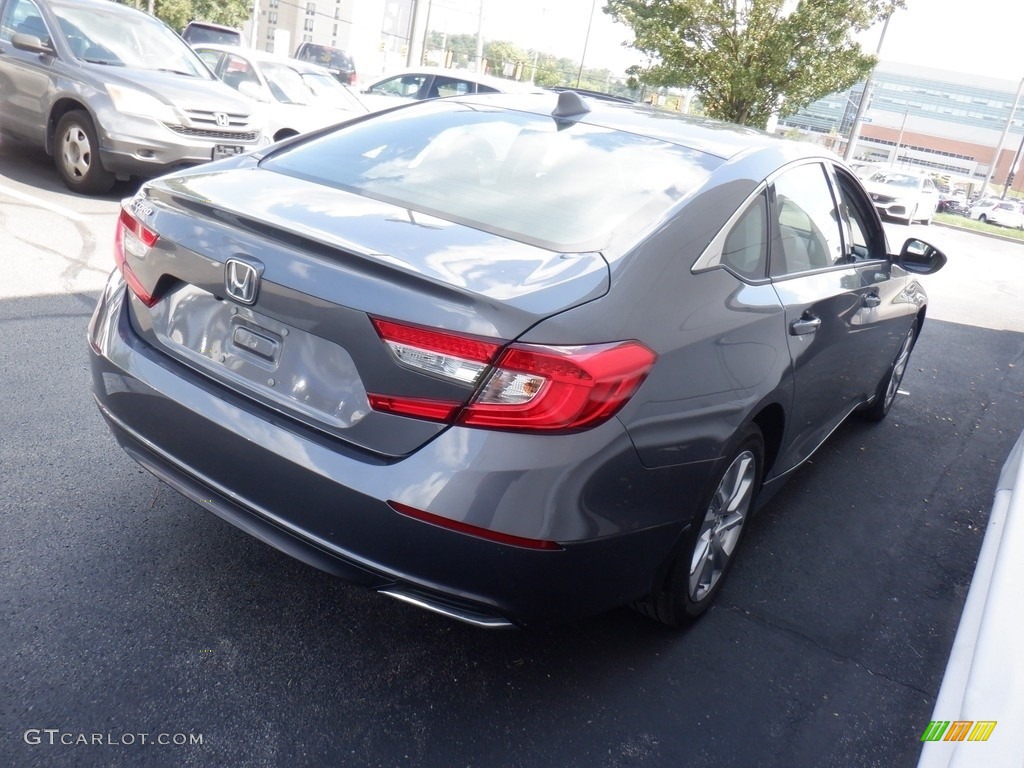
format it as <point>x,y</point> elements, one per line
<point>222,119</point>
<point>241,281</point>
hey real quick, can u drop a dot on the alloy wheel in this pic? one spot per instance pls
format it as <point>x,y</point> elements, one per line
<point>722,525</point>
<point>898,369</point>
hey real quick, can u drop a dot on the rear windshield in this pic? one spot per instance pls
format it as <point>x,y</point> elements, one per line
<point>197,35</point>
<point>559,184</point>
<point>326,56</point>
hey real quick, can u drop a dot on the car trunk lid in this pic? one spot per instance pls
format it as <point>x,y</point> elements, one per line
<point>327,262</point>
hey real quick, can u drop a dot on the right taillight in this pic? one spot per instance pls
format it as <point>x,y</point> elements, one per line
<point>549,388</point>
<point>524,387</point>
<point>133,238</point>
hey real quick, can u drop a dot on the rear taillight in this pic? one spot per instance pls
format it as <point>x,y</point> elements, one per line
<point>526,387</point>
<point>558,388</point>
<point>133,238</point>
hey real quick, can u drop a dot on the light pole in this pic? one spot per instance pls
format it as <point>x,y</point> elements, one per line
<point>864,98</point>
<point>896,154</point>
<point>586,42</point>
<point>1013,168</point>
<point>999,146</point>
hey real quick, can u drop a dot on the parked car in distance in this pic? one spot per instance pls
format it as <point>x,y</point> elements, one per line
<point>1005,213</point>
<point>111,92</point>
<point>591,94</point>
<point>338,62</point>
<point>201,32</point>
<point>513,358</point>
<point>903,195</point>
<point>864,169</point>
<point>434,82</point>
<point>298,97</point>
<point>949,203</point>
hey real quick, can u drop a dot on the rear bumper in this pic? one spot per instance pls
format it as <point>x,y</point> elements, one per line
<point>325,503</point>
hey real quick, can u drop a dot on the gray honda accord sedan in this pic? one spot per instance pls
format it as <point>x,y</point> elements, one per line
<point>509,358</point>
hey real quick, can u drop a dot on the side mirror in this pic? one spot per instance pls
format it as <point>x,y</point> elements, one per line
<point>30,43</point>
<point>920,257</point>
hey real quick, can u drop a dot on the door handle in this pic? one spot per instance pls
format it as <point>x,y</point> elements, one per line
<point>872,300</point>
<point>807,323</point>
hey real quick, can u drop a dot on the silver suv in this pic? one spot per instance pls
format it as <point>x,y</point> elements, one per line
<point>111,93</point>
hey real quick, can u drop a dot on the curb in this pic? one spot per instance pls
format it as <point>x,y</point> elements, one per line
<point>992,235</point>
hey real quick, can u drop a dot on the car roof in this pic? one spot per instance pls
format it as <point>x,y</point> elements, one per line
<point>713,137</point>
<point>254,54</point>
<point>505,86</point>
<point>211,25</point>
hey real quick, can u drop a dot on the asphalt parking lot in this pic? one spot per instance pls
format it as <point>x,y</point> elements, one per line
<point>129,610</point>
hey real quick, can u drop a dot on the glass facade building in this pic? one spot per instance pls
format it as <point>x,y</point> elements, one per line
<point>943,121</point>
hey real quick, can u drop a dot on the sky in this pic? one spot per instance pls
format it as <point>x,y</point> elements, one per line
<point>981,37</point>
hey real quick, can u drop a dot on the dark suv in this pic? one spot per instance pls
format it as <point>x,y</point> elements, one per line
<point>341,64</point>
<point>203,32</point>
<point>111,93</point>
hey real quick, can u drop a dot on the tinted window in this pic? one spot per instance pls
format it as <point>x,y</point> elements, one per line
<point>198,34</point>
<point>808,223</point>
<point>563,185</point>
<point>746,246</point>
<point>325,56</point>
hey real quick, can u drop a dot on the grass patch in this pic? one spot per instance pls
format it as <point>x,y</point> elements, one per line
<point>965,223</point>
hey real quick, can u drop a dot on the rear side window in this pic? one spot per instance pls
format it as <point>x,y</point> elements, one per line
<point>746,246</point>
<point>558,184</point>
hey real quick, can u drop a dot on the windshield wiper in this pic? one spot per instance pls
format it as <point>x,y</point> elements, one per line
<point>176,71</point>
<point>107,62</point>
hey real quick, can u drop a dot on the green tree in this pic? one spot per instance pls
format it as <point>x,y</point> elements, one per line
<point>177,13</point>
<point>747,59</point>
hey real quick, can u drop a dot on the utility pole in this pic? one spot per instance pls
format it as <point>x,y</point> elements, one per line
<point>864,99</point>
<point>586,42</point>
<point>417,34</point>
<point>896,154</point>
<point>1013,168</point>
<point>480,40</point>
<point>253,39</point>
<point>999,146</point>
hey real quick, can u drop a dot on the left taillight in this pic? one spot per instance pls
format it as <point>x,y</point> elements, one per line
<point>133,238</point>
<point>522,387</point>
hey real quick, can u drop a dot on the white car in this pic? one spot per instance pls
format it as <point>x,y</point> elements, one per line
<point>1006,213</point>
<point>435,82</point>
<point>903,195</point>
<point>297,97</point>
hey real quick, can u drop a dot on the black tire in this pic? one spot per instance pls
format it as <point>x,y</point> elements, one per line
<point>709,546</point>
<point>983,218</point>
<point>885,393</point>
<point>76,153</point>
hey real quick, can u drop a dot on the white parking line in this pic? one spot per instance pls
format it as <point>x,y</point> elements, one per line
<point>40,203</point>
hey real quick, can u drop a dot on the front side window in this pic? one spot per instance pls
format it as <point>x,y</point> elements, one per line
<point>807,222</point>
<point>406,86</point>
<point>23,17</point>
<point>864,238</point>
